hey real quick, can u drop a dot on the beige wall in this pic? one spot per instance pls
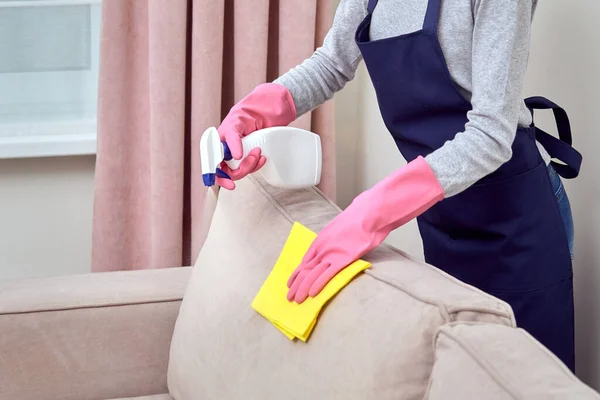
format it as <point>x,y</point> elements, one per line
<point>45,216</point>
<point>564,66</point>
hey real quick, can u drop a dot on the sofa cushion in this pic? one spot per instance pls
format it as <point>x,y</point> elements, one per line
<point>373,340</point>
<point>89,336</point>
<point>483,361</point>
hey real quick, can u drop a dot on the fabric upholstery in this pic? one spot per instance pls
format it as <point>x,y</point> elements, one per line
<point>94,336</point>
<point>169,70</point>
<point>493,362</point>
<point>374,340</point>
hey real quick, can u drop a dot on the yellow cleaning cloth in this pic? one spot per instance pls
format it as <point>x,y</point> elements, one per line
<point>293,319</point>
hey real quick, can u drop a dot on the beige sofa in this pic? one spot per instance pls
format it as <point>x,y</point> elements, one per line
<point>401,330</point>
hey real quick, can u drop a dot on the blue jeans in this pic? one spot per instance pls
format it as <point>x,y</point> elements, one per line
<point>564,206</point>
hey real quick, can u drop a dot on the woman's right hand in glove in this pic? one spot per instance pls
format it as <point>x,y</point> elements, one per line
<point>269,104</point>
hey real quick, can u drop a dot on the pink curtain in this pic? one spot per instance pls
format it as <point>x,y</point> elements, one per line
<point>168,70</point>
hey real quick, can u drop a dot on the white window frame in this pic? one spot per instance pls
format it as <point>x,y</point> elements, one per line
<point>58,139</point>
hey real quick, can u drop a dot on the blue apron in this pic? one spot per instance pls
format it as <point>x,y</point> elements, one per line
<point>504,234</point>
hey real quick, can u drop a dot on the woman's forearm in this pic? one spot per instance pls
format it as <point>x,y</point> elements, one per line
<point>501,38</point>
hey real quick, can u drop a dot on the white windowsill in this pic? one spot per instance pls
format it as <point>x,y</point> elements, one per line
<point>46,3</point>
<point>47,139</point>
<point>47,146</point>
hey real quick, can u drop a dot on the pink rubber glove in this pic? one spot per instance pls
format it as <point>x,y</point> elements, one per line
<point>269,104</point>
<point>400,197</point>
<point>249,165</point>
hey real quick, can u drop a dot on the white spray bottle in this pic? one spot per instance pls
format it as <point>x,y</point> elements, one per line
<point>293,156</point>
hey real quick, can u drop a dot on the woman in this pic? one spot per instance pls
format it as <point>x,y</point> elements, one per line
<point>490,206</point>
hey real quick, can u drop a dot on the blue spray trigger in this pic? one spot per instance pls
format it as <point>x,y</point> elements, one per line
<point>208,179</point>
<point>226,153</point>
<point>222,174</point>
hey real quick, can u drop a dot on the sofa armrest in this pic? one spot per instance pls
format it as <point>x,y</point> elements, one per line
<point>92,336</point>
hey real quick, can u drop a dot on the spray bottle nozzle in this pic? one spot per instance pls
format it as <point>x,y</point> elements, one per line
<point>212,153</point>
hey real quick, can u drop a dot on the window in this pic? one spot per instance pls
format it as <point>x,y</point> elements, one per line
<point>49,51</point>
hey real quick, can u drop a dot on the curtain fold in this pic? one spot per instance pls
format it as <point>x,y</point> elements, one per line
<point>168,70</point>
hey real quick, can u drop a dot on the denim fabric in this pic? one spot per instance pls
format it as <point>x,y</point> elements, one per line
<point>564,207</point>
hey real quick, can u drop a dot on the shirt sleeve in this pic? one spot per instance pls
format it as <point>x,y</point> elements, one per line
<point>500,51</point>
<point>332,65</point>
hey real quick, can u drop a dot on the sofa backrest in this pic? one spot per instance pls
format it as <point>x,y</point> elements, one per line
<point>374,340</point>
<point>494,362</point>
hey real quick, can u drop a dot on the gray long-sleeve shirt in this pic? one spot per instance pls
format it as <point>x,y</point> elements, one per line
<point>486,46</point>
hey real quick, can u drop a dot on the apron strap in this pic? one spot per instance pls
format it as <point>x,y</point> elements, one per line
<point>371,6</point>
<point>432,16</point>
<point>560,149</point>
